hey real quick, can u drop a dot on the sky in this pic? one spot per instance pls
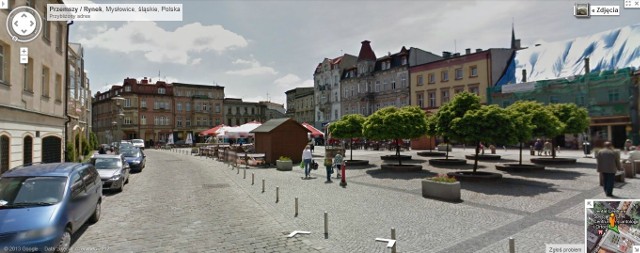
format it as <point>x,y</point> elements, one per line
<point>258,49</point>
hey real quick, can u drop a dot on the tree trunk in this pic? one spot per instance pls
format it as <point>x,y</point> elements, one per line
<point>398,152</point>
<point>553,147</point>
<point>431,141</point>
<point>351,147</point>
<point>446,148</point>
<point>475,162</point>
<point>520,153</point>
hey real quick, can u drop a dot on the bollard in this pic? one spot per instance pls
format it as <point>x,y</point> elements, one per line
<point>296,214</point>
<point>512,245</point>
<point>253,176</point>
<point>244,174</point>
<point>238,171</point>
<point>326,224</point>
<point>263,185</point>
<point>393,237</point>
<point>277,194</point>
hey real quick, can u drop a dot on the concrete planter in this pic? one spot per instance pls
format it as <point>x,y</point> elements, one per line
<point>443,148</point>
<point>441,190</point>
<point>284,165</point>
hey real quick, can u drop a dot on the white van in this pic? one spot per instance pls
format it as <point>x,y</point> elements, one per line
<point>138,143</point>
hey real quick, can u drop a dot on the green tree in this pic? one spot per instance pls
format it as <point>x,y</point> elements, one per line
<point>93,140</point>
<point>391,123</point>
<point>431,129</point>
<point>575,118</point>
<point>542,118</point>
<point>488,124</point>
<point>523,130</point>
<point>70,152</point>
<point>456,108</point>
<point>349,127</point>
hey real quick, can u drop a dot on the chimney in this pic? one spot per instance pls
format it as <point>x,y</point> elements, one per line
<point>518,44</point>
<point>537,45</point>
<point>446,54</point>
<point>456,54</point>
<point>145,81</point>
<point>587,69</point>
<point>478,50</point>
<point>524,75</point>
<point>467,51</point>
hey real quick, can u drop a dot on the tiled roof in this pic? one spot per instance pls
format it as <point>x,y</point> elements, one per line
<point>366,53</point>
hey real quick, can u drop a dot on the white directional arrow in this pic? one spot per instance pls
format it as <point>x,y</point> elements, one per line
<point>294,233</point>
<point>390,242</point>
<point>636,249</point>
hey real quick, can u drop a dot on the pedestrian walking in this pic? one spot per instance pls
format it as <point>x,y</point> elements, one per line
<point>328,164</point>
<point>311,147</point>
<point>337,161</point>
<point>307,158</point>
<point>102,150</point>
<point>538,146</point>
<point>608,163</point>
<point>547,148</point>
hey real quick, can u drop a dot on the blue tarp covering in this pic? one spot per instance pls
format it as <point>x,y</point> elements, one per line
<point>608,50</point>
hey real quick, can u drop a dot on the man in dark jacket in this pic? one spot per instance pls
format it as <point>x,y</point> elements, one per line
<point>608,163</point>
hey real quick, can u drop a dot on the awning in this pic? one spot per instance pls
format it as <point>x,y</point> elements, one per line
<point>212,131</point>
<point>315,133</point>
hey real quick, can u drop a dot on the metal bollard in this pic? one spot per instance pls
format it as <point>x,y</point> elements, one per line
<point>263,185</point>
<point>277,194</point>
<point>244,174</point>
<point>512,245</point>
<point>253,176</point>
<point>296,214</point>
<point>393,237</point>
<point>326,224</point>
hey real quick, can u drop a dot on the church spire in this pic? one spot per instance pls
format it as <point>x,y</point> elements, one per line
<point>513,36</point>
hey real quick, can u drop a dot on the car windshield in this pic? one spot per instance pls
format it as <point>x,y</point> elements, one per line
<point>17,192</point>
<point>130,153</point>
<point>107,163</point>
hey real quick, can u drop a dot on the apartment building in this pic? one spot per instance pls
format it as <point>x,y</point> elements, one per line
<point>197,108</point>
<point>327,88</point>
<point>301,105</point>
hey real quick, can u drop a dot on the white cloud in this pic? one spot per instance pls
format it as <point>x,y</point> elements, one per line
<point>196,61</point>
<point>160,45</point>
<point>253,68</point>
<point>291,81</point>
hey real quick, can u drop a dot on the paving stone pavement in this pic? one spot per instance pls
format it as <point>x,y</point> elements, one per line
<point>173,212</point>
<point>178,205</point>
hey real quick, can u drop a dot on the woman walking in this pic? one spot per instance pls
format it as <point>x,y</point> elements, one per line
<point>307,158</point>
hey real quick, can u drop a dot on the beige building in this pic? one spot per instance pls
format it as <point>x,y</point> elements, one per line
<point>79,94</point>
<point>327,88</point>
<point>32,95</point>
<point>301,105</point>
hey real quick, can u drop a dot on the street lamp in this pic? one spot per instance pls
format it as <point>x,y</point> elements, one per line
<point>116,123</point>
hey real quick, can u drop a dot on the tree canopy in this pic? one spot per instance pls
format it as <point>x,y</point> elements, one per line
<point>543,120</point>
<point>575,118</point>
<point>396,123</point>
<point>350,126</point>
<point>488,124</point>
<point>456,108</point>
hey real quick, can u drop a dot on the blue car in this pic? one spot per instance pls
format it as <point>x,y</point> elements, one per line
<point>42,205</point>
<point>135,157</point>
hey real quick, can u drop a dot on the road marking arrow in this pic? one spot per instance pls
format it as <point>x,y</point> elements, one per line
<point>293,234</point>
<point>390,242</point>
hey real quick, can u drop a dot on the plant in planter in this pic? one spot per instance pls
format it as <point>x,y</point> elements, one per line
<point>392,123</point>
<point>441,187</point>
<point>284,163</point>
<point>349,127</point>
<point>456,108</point>
<point>576,119</point>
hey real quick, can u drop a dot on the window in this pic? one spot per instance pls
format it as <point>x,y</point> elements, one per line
<point>432,99</point>
<point>404,61</point>
<point>188,122</point>
<point>27,150</point>
<point>445,76</point>
<point>444,97</point>
<point>58,87</point>
<point>45,81</point>
<point>474,90</point>
<point>403,81</point>
<point>205,107</point>
<point>161,91</point>
<point>217,121</point>
<point>127,102</point>
<point>580,100</point>
<point>335,114</point>
<point>58,37</point>
<point>143,120</point>
<point>187,107</point>
<point>4,63</point>
<point>179,121</point>
<point>614,95</point>
<point>473,70</point>
<point>179,107</point>
<point>458,90</point>
<point>77,187</point>
<point>420,99</point>
<point>393,84</point>
<point>127,121</point>
<point>46,27</point>
<point>432,78</point>
<point>127,88</point>
<point>217,108</point>
<point>27,75</point>
<point>420,80</point>
<point>554,99</point>
<point>459,74</point>
<point>4,153</point>
<point>143,103</point>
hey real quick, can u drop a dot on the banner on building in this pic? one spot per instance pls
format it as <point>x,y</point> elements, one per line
<point>519,87</point>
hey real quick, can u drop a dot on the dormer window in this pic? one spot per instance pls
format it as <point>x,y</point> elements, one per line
<point>161,91</point>
<point>127,88</point>
<point>404,60</point>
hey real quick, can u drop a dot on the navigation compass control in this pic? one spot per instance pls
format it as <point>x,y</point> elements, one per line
<point>24,24</point>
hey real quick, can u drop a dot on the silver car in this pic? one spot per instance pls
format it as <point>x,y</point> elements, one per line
<point>113,169</point>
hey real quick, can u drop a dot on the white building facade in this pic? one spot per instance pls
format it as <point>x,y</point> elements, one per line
<point>327,88</point>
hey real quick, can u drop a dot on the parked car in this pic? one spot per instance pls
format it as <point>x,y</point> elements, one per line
<point>125,145</point>
<point>138,143</point>
<point>113,170</point>
<point>136,158</point>
<point>42,205</point>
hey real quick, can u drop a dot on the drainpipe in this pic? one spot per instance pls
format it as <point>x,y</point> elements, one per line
<point>66,84</point>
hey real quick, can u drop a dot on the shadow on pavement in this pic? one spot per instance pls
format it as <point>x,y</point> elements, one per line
<point>509,187</point>
<point>577,165</point>
<point>468,166</point>
<point>383,174</point>
<point>549,174</point>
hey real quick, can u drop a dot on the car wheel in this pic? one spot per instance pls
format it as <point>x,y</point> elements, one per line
<point>126,182</point>
<point>121,186</point>
<point>65,241</point>
<point>95,217</point>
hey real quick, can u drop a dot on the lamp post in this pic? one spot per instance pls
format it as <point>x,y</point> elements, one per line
<point>80,153</point>
<point>117,122</point>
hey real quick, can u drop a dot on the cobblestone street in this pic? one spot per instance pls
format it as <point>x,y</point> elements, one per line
<point>194,204</point>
